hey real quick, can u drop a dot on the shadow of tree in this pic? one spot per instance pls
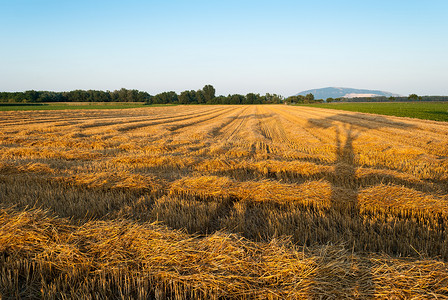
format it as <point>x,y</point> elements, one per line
<point>344,205</point>
<point>345,184</point>
<point>345,170</point>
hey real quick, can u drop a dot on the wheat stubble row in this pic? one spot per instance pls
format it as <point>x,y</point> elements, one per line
<point>238,180</point>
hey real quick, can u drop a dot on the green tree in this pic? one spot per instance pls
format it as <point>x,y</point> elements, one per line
<point>273,98</point>
<point>236,99</point>
<point>209,92</point>
<point>165,98</point>
<point>200,97</point>
<point>31,96</point>
<point>413,97</point>
<point>309,97</point>
<point>187,97</point>
<point>131,95</point>
<point>225,100</point>
<point>251,98</point>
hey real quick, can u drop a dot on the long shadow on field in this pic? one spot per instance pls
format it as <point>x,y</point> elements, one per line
<point>344,211</point>
<point>348,127</point>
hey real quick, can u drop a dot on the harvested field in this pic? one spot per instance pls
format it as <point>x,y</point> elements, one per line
<point>217,202</point>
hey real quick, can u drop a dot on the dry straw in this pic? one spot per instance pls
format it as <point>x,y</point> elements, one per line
<point>218,202</point>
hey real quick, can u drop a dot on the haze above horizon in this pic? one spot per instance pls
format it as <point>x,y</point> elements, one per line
<point>281,47</point>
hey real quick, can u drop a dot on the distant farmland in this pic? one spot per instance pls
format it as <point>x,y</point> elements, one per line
<point>437,111</point>
<point>217,202</point>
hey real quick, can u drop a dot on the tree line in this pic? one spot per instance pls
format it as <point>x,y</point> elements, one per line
<point>206,95</point>
<point>300,99</point>
<point>122,95</point>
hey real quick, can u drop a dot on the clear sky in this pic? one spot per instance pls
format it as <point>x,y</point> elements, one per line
<point>240,46</point>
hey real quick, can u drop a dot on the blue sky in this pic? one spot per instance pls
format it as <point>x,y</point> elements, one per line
<point>241,46</point>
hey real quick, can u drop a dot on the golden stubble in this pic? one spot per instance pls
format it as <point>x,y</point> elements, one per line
<point>249,202</point>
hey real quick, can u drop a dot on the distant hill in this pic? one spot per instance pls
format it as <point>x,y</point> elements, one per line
<point>338,92</point>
